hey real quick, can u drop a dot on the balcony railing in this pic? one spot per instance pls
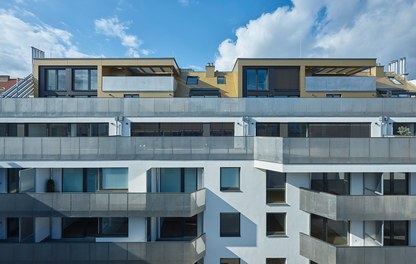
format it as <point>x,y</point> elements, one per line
<point>397,150</point>
<point>324,253</point>
<point>139,84</point>
<point>160,252</point>
<point>358,207</point>
<point>207,107</point>
<point>102,204</point>
<point>340,84</point>
<point>126,148</point>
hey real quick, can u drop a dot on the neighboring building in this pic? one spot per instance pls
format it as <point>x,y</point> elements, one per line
<point>6,83</point>
<point>209,180</point>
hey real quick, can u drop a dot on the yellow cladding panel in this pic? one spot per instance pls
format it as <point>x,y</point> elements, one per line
<point>229,89</point>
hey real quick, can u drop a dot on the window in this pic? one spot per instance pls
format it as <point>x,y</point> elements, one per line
<point>84,79</point>
<point>131,96</point>
<point>79,180</point>
<point>13,180</point>
<point>178,227</point>
<point>8,130</point>
<point>178,180</point>
<point>333,95</point>
<point>257,80</point>
<point>276,224</point>
<point>12,227</point>
<point>275,260</point>
<point>395,183</point>
<point>267,129</point>
<point>114,226</point>
<point>348,130</point>
<point>333,232</point>
<point>221,129</point>
<point>192,80</point>
<point>229,261</point>
<point>275,187</point>
<point>395,233</point>
<point>56,80</point>
<point>230,179</point>
<point>114,179</point>
<point>74,227</point>
<point>92,129</point>
<point>404,129</point>
<point>297,129</point>
<point>229,224</point>
<point>335,183</point>
<point>220,79</point>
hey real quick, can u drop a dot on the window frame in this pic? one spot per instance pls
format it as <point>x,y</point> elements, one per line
<point>89,79</point>
<point>189,78</point>
<point>276,188</point>
<point>230,189</point>
<point>224,233</point>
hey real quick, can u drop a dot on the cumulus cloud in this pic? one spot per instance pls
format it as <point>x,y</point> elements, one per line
<point>112,27</point>
<point>379,29</point>
<point>17,36</point>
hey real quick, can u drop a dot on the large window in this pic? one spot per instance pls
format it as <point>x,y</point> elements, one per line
<point>347,130</point>
<point>267,129</point>
<point>74,227</point>
<point>256,79</point>
<point>80,180</point>
<point>12,227</point>
<point>192,80</point>
<point>114,179</point>
<point>113,226</point>
<point>221,129</point>
<point>178,180</point>
<point>333,232</point>
<point>395,233</point>
<point>84,79</point>
<point>13,180</point>
<point>276,224</point>
<point>395,183</point>
<point>335,183</point>
<point>178,227</point>
<point>65,129</point>
<point>56,79</point>
<point>229,224</point>
<point>275,187</point>
<point>275,260</point>
<point>8,130</point>
<point>230,179</point>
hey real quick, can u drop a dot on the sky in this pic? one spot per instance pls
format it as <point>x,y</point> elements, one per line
<point>197,32</point>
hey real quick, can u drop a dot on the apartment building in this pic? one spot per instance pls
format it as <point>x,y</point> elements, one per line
<point>169,165</point>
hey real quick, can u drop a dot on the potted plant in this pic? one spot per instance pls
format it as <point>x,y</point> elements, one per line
<point>404,131</point>
<point>50,185</point>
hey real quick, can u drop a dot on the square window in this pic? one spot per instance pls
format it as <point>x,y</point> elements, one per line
<point>230,179</point>
<point>220,79</point>
<point>230,261</point>
<point>276,225</point>
<point>275,187</point>
<point>275,260</point>
<point>192,80</point>
<point>229,224</point>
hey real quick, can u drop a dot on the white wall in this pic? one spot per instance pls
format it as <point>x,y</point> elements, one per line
<point>42,228</point>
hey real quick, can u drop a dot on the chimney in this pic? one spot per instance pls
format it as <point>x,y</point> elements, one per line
<point>210,70</point>
<point>4,78</point>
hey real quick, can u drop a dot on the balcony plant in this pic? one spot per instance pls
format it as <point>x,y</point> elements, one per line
<point>50,185</point>
<point>404,131</point>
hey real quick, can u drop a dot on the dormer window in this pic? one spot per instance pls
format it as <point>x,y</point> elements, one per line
<point>192,80</point>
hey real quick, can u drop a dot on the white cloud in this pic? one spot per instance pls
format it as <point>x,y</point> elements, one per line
<point>17,36</point>
<point>184,2</point>
<point>381,29</point>
<point>112,27</point>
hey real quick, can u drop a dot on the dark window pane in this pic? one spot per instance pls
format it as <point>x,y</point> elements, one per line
<point>267,129</point>
<point>276,224</point>
<point>13,180</point>
<point>229,224</point>
<point>114,226</point>
<point>79,227</point>
<point>230,179</point>
<point>222,129</point>
<point>297,129</point>
<point>59,130</point>
<point>192,80</point>
<point>338,183</point>
<point>220,79</point>
<point>178,227</point>
<point>403,129</point>
<point>83,130</point>
<point>145,129</point>
<point>91,180</point>
<point>400,183</point>
<point>36,130</point>
<point>13,227</point>
<point>317,227</point>
<point>395,233</point>
<point>275,187</point>
<point>275,260</point>
<point>317,182</point>
<point>337,232</point>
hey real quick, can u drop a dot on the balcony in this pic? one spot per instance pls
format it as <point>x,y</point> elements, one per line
<point>340,84</point>
<point>175,252</point>
<point>206,107</point>
<point>398,150</point>
<point>139,84</point>
<point>358,207</point>
<point>324,253</point>
<point>126,148</point>
<point>102,204</point>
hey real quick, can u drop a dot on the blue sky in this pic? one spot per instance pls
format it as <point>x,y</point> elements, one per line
<point>196,32</point>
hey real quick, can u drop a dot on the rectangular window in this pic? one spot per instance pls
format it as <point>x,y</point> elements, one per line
<point>56,80</point>
<point>59,130</point>
<point>220,79</point>
<point>114,179</point>
<point>275,260</point>
<point>333,130</point>
<point>229,224</point>
<point>8,130</point>
<point>12,227</point>
<point>333,95</point>
<point>395,233</point>
<point>404,129</point>
<point>192,80</point>
<point>73,180</point>
<point>36,130</point>
<point>333,232</point>
<point>396,183</point>
<point>267,129</point>
<point>335,183</point>
<point>114,226</point>
<point>178,227</point>
<point>229,261</point>
<point>74,227</point>
<point>256,80</point>
<point>178,180</point>
<point>221,129</point>
<point>297,129</point>
<point>275,187</point>
<point>91,129</point>
<point>13,180</point>
<point>276,224</point>
<point>230,179</point>
<point>84,79</point>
